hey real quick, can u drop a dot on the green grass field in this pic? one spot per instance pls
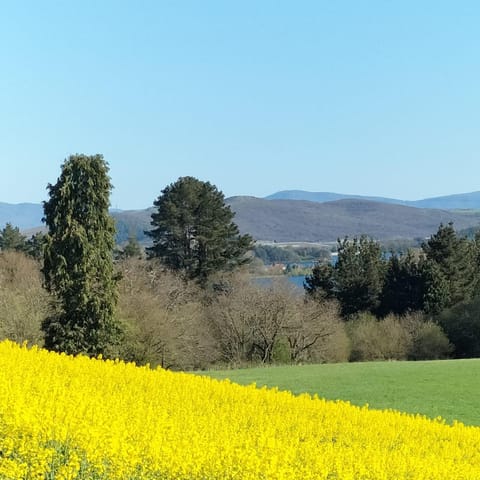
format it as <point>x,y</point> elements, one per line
<point>448,388</point>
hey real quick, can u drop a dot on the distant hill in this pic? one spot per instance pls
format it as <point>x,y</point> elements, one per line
<point>296,220</point>
<point>28,218</point>
<point>461,201</point>
<point>322,197</point>
<point>21,215</point>
<point>289,220</point>
<point>134,222</point>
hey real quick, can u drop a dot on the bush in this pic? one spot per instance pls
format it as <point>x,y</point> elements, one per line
<point>396,338</point>
<point>373,339</point>
<point>429,341</point>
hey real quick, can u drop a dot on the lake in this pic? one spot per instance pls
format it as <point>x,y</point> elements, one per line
<point>296,280</point>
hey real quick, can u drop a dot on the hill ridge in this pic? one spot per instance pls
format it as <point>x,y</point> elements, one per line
<point>285,220</point>
<point>470,200</point>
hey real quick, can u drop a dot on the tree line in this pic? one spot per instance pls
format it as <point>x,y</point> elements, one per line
<point>189,304</point>
<point>443,274</point>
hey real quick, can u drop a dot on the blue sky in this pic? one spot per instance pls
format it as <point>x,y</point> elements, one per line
<point>375,97</point>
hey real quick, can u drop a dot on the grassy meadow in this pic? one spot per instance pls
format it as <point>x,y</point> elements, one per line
<point>446,388</point>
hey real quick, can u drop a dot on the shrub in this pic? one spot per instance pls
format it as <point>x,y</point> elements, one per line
<point>428,340</point>
<point>396,338</point>
<point>373,339</point>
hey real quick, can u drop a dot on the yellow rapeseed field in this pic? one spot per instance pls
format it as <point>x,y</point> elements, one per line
<point>78,418</point>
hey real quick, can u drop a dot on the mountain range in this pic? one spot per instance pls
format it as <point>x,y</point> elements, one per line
<point>461,201</point>
<point>296,215</point>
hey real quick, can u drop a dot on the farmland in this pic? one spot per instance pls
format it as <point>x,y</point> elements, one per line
<point>447,388</point>
<point>67,417</point>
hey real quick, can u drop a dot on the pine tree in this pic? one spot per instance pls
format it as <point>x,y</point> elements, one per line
<point>193,231</point>
<point>455,259</point>
<point>320,285</point>
<point>131,250</point>
<point>403,289</point>
<point>12,239</point>
<point>78,263</point>
<point>436,288</point>
<point>359,275</point>
<point>34,245</point>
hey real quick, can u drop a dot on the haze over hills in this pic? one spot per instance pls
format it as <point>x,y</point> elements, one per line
<point>459,201</point>
<point>296,220</point>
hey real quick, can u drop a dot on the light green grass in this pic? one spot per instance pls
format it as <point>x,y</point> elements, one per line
<point>448,388</point>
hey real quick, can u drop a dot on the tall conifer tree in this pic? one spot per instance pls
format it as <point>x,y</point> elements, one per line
<point>78,263</point>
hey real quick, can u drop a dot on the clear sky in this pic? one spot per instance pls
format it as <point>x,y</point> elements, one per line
<point>256,96</point>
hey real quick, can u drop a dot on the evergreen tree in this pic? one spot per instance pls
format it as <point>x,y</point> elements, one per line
<point>359,275</point>
<point>403,289</point>
<point>130,250</point>
<point>461,323</point>
<point>78,263</point>
<point>321,283</point>
<point>35,244</point>
<point>476,263</point>
<point>436,287</point>
<point>12,239</point>
<point>193,231</point>
<point>455,259</point>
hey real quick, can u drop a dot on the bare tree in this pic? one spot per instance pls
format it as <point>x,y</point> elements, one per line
<point>311,326</point>
<point>163,317</point>
<point>251,321</point>
<point>23,301</point>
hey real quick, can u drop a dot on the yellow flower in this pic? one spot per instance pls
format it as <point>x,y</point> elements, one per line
<point>76,418</point>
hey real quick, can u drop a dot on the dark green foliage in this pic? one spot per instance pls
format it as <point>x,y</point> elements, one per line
<point>270,254</point>
<point>321,283</point>
<point>359,275</point>
<point>356,280</point>
<point>274,254</point>
<point>319,254</point>
<point>401,246</point>
<point>444,275</point>
<point>131,250</point>
<point>461,323</point>
<point>193,231</point>
<point>12,239</point>
<point>476,263</point>
<point>436,292</point>
<point>454,259</point>
<point>78,263</point>
<point>35,245</point>
<point>403,289</point>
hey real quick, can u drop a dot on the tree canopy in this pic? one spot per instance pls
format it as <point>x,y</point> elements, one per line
<point>78,262</point>
<point>193,231</point>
